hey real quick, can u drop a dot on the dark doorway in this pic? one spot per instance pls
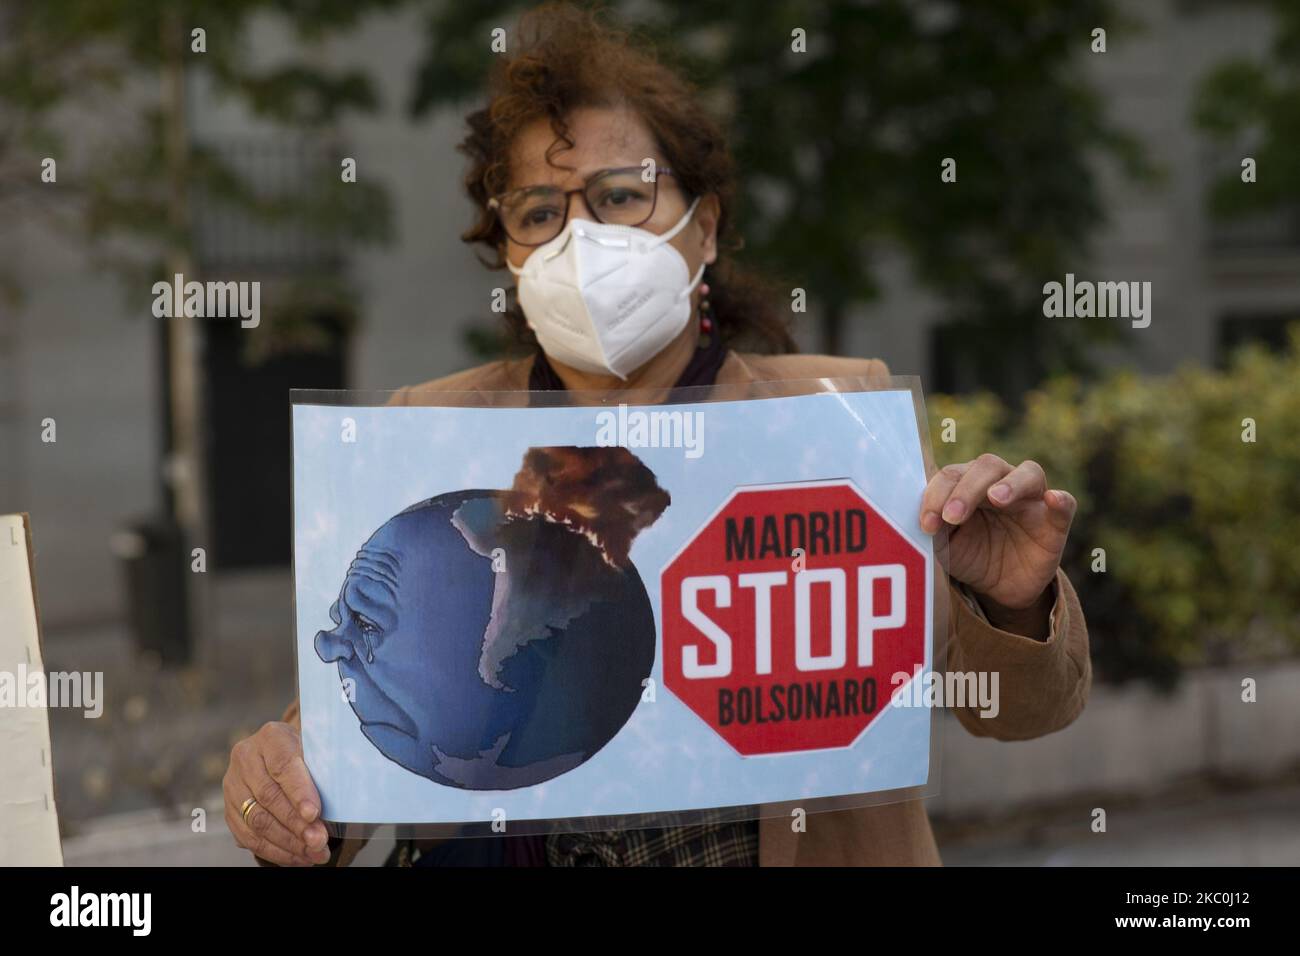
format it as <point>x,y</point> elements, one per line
<point>248,450</point>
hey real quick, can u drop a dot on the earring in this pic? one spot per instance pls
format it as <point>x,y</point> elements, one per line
<point>706,317</point>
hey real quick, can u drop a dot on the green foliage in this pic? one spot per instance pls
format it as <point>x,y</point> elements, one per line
<point>80,52</point>
<point>1199,527</point>
<point>1253,106</point>
<point>839,148</point>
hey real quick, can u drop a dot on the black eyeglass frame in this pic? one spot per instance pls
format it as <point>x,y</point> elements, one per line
<point>495,202</point>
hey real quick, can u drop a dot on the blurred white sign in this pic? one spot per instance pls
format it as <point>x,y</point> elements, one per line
<point>29,823</point>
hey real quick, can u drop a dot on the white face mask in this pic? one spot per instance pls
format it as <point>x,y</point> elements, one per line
<point>606,299</point>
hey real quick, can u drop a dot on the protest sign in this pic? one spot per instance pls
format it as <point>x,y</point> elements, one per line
<point>579,611</point>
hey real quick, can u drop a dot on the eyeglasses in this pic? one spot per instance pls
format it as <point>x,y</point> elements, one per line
<point>534,215</point>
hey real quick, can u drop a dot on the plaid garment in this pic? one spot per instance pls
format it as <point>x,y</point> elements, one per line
<point>726,844</point>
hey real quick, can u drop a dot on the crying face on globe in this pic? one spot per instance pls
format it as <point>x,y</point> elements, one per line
<point>495,639</point>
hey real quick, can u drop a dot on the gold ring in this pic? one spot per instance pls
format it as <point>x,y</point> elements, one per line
<point>247,808</point>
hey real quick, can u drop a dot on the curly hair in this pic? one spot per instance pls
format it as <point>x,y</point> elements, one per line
<point>566,57</point>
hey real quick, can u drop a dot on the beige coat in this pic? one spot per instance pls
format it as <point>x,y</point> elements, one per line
<point>1043,684</point>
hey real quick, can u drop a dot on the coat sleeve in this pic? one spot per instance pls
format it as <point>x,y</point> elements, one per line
<point>1042,685</point>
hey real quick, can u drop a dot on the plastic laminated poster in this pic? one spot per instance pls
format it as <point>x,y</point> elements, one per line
<point>560,609</point>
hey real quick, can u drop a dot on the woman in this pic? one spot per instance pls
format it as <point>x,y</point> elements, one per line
<point>586,142</point>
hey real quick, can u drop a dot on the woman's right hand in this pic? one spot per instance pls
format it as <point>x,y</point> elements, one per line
<point>283,827</point>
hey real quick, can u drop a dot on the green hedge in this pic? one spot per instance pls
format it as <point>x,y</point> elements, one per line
<point>1201,529</point>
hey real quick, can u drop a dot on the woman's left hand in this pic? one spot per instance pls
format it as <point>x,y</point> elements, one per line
<point>1008,529</point>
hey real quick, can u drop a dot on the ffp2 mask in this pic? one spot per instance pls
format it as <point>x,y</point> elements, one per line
<point>604,298</point>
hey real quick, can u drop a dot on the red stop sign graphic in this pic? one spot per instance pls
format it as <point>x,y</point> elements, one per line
<point>780,654</point>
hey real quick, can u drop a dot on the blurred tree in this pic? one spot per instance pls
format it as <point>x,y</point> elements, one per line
<point>35,77</point>
<point>1254,106</point>
<point>1183,549</point>
<point>140,183</point>
<point>840,148</point>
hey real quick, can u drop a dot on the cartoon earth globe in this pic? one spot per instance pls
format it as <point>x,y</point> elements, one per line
<point>491,640</point>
